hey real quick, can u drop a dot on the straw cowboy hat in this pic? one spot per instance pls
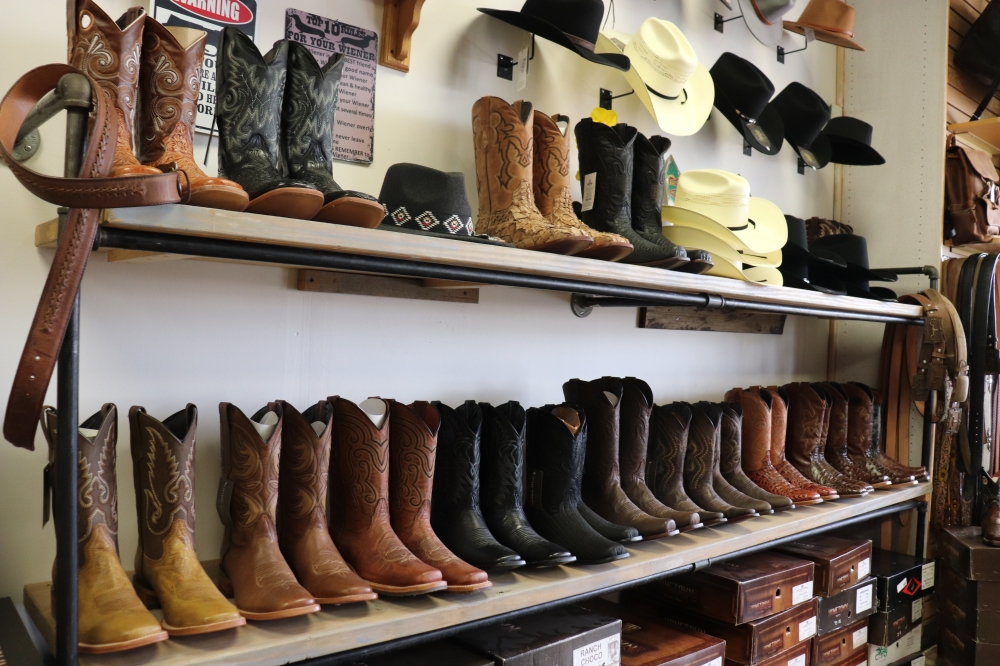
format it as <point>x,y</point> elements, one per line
<point>728,262</point>
<point>832,21</point>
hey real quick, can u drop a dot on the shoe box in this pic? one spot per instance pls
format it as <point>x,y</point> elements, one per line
<point>795,656</point>
<point>840,645</point>
<point>963,606</point>
<point>845,607</point>
<point>429,654</point>
<point>887,628</point>
<point>964,651</point>
<point>900,579</point>
<point>840,563</point>
<point>964,551</point>
<point>888,655</point>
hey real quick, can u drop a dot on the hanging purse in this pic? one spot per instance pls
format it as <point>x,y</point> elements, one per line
<point>971,195</point>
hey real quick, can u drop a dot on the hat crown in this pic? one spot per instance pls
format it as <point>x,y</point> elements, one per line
<point>850,128</point>
<point>797,231</point>
<point>803,112</point>
<point>662,56</point>
<point>771,11</point>
<point>718,195</point>
<point>577,18</point>
<point>745,87</point>
<point>853,248</point>
<point>834,15</point>
<point>419,197</point>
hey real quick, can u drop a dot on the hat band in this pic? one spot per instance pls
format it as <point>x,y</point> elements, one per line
<point>579,41</point>
<point>839,31</point>
<point>760,14</point>
<point>662,96</point>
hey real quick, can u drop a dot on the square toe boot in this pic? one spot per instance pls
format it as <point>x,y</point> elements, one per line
<point>779,432</point>
<point>701,463</point>
<point>822,449</point>
<point>556,450</point>
<point>723,488</point>
<point>502,496</point>
<point>412,454</point>
<point>303,489</point>
<point>920,473</point>
<point>602,490</point>
<point>359,502</point>
<point>864,437</point>
<point>836,452</point>
<point>111,616</point>
<point>167,571</point>
<point>731,460</point>
<point>251,567</point>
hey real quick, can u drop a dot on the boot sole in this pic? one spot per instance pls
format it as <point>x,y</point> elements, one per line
<point>507,566</point>
<point>348,599</point>
<point>469,588</point>
<point>555,562</point>
<point>104,648</point>
<point>295,202</point>
<point>669,264</point>
<point>990,542</point>
<point>696,267</point>
<point>278,615</point>
<point>719,521</point>
<point>881,484</point>
<point>352,212</point>
<point>613,558</point>
<point>688,528</point>
<point>662,535</point>
<point>221,197</point>
<point>204,628</point>
<point>610,252</point>
<point>408,590</point>
<point>568,246</point>
<point>809,502</point>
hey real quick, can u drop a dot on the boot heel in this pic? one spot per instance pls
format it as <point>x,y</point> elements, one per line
<point>225,585</point>
<point>146,595</point>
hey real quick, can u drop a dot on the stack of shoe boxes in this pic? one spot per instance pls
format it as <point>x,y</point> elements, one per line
<point>904,586</point>
<point>969,599</point>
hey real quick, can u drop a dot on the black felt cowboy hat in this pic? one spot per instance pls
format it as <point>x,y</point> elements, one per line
<point>856,275</point>
<point>742,93</point>
<point>573,24</point>
<point>802,268</point>
<point>851,142</point>
<point>804,115</point>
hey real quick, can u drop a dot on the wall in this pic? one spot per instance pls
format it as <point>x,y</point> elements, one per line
<point>161,335</point>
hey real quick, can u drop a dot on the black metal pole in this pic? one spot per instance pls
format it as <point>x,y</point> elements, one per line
<point>927,450</point>
<point>921,528</point>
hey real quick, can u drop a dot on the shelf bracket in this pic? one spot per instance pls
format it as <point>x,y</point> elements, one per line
<point>782,52</point>
<point>399,20</point>
<point>720,22</point>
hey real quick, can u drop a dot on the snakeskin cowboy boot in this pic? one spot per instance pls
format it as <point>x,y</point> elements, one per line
<point>731,461</point>
<point>779,430</point>
<point>837,441</point>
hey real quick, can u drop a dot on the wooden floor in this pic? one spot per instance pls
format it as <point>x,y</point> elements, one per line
<point>345,628</point>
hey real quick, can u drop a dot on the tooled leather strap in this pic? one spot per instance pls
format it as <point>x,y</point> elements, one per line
<point>85,196</point>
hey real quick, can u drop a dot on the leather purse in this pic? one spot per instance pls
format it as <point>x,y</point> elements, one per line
<point>979,52</point>
<point>971,195</point>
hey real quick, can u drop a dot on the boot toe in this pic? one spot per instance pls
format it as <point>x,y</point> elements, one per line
<point>135,170</point>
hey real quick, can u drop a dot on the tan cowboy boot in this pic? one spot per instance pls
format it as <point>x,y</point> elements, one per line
<point>169,80</point>
<point>111,616</point>
<point>167,571</point>
<point>503,144</point>
<point>779,433</point>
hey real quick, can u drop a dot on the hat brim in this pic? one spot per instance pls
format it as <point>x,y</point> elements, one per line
<point>831,287</point>
<point>820,258</point>
<point>432,234</point>
<point>768,127</point>
<point>872,293</point>
<point>767,233</point>
<point>689,237</point>
<point>816,155</point>
<point>725,260</point>
<point>824,35</point>
<point>766,34</point>
<point>545,30</point>
<point>854,153</point>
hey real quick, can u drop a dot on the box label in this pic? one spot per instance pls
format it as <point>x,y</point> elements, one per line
<point>798,661</point>
<point>802,593</point>
<point>919,661</point>
<point>859,637</point>
<point>715,662</point>
<point>864,598</point>
<point>864,567</point>
<point>807,628</point>
<point>916,610</point>
<point>589,189</point>
<point>928,575</point>
<point>605,652</point>
<point>901,585</point>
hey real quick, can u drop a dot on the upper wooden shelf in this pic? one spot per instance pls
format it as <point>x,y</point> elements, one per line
<point>984,133</point>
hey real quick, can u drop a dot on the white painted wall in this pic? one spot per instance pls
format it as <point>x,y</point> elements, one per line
<point>162,335</point>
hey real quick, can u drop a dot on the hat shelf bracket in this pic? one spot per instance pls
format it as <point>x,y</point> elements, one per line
<point>721,21</point>
<point>400,19</point>
<point>506,64</point>
<point>782,52</point>
<point>607,98</point>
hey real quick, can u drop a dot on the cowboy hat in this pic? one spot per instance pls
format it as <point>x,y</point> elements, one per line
<point>763,19</point>
<point>832,21</point>
<point>665,74</point>
<point>804,115</point>
<point>727,261</point>
<point>851,142</point>
<point>856,275</point>
<point>801,267</point>
<point>742,93</point>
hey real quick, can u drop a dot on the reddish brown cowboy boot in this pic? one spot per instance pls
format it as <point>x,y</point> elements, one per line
<point>837,441</point>
<point>779,431</point>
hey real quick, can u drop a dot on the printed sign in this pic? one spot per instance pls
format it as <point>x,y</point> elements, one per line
<point>354,136</point>
<point>211,16</point>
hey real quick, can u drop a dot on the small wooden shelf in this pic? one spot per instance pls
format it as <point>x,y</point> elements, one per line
<point>984,133</point>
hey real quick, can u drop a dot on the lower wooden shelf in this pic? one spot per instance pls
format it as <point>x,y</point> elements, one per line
<point>337,629</point>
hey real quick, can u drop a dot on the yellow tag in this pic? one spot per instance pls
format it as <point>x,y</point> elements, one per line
<point>578,175</point>
<point>606,116</point>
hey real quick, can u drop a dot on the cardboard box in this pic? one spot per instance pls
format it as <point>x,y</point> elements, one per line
<point>840,563</point>
<point>929,632</point>
<point>855,603</point>
<point>887,628</point>
<point>796,656</point>
<point>840,645</point>
<point>965,552</point>
<point>429,654</point>
<point>744,589</point>
<point>983,626</point>
<point>965,651</point>
<point>900,579</point>
<point>975,594</point>
<point>859,659</point>
<point>907,646</point>
<point>569,635</point>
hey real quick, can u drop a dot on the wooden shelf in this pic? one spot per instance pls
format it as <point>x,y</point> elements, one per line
<point>983,134</point>
<point>336,629</point>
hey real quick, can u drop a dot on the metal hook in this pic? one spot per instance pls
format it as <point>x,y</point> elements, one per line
<point>720,22</point>
<point>607,97</point>
<point>782,52</point>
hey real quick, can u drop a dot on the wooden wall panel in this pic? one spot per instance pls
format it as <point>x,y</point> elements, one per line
<point>965,92</point>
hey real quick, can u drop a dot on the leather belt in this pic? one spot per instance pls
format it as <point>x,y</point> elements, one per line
<point>85,196</point>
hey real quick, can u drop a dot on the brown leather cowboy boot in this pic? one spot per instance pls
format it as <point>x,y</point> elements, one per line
<point>820,451</point>
<point>108,52</point>
<point>860,429</point>
<point>836,442</point>
<point>722,487</point>
<point>359,504</point>
<point>167,571</point>
<point>412,449</point>
<point>779,431</point>
<point>251,567</point>
<point>550,186</point>
<point>111,616</point>
<point>602,490</point>
<point>701,463</point>
<point>893,468</point>
<point>731,463</point>
<point>503,138</point>
<point>303,535</point>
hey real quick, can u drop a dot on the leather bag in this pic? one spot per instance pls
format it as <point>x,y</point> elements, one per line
<point>971,195</point>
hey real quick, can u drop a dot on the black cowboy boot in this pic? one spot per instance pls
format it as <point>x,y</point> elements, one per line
<point>502,473</point>
<point>309,119</point>
<point>455,514</point>
<point>606,156</point>
<point>251,90</point>
<point>557,446</point>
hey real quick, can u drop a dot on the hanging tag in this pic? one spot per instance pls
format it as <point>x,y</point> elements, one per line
<point>222,501</point>
<point>810,35</point>
<point>521,71</point>
<point>589,188</point>
<point>606,116</point>
<point>673,174</point>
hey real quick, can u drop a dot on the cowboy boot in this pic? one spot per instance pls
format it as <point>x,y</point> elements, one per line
<point>308,121</point>
<point>111,616</point>
<point>303,482</point>
<point>636,406</point>
<point>729,494</point>
<point>893,467</point>
<point>779,430</point>
<point>359,503</point>
<point>701,463</point>
<point>108,52</point>
<point>861,429</point>
<point>989,508</point>
<point>502,136</point>
<point>731,460</point>
<point>502,473</point>
<point>251,567</point>
<point>555,455</point>
<point>836,442</point>
<point>820,451</point>
<point>167,571</point>
<point>550,186</point>
<point>251,90</point>
<point>669,426</point>
<point>169,82</point>
<point>412,452</point>
<point>607,529</point>
<point>602,490</point>
<point>606,160</point>
<point>456,515</point>
<point>756,446</point>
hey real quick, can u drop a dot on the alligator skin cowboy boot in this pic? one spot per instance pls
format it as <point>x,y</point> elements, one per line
<point>412,449</point>
<point>251,89</point>
<point>502,497</point>
<point>308,121</point>
<point>550,185</point>
<point>731,460</point>
<point>455,512</point>
<point>723,488</point>
<point>602,490</point>
<point>502,135</point>
<point>251,567</point>
<point>359,502</point>
<point>606,160</point>
<point>701,464</point>
<point>819,453</point>
<point>555,453</point>
<point>636,406</point>
<point>169,82</point>
<point>111,616</point>
<point>779,430</point>
<point>836,441</point>
<point>755,403</point>
<point>668,440</point>
<point>893,468</point>
<point>303,483</point>
<point>989,508</point>
<point>167,571</point>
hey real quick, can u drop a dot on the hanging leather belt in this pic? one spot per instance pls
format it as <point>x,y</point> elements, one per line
<point>85,196</point>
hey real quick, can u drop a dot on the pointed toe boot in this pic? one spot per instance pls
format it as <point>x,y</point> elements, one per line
<point>167,571</point>
<point>836,451</point>
<point>717,413</point>
<point>303,535</point>
<point>412,456</point>
<point>111,617</point>
<point>502,473</point>
<point>779,432</point>
<point>701,463</point>
<point>731,460</point>
<point>456,514</point>
<point>556,450</point>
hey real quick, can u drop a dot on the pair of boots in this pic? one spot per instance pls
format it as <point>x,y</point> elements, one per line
<point>276,116</point>
<point>112,609</point>
<point>138,60</point>
<point>866,437</point>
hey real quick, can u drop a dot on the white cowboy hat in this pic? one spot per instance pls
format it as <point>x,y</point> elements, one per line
<point>719,203</point>
<point>702,240</point>
<point>665,74</point>
<point>728,262</point>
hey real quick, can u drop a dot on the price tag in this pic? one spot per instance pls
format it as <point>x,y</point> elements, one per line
<point>803,592</point>
<point>859,637</point>
<point>928,576</point>
<point>902,584</point>
<point>521,73</point>
<point>916,610</point>
<point>919,661</point>
<point>807,628</point>
<point>798,661</point>
<point>864,599</point>
<point>589,189</point>
<point>864,567</point>
<point>605,652</point>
